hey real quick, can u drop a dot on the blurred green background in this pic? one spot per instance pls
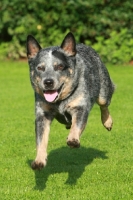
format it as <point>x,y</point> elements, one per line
<point>106,25</point>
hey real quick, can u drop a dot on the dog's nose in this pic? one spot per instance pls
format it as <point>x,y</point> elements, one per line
<point>48,83</point>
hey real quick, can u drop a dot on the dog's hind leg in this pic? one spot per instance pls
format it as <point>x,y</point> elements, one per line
<point>106,118</point>
<point>105,115</point>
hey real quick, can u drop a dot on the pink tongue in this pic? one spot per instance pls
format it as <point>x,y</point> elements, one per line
<point>50,95</point>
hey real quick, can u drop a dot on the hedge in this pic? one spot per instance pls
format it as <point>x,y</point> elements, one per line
<point>92,22</point>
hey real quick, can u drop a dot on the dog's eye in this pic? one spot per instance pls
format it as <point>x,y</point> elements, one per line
<point>40,68</point>
<point>58,67</point>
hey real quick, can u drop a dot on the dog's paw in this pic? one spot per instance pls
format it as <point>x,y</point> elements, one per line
<point>35,165</point>
<point>74,143</point>
<point>108,123</point>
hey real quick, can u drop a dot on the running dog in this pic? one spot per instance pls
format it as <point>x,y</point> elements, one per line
<point>67,80</point>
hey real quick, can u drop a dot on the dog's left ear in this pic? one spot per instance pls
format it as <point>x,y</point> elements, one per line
<point>33,47</point>
<point>69,44</point>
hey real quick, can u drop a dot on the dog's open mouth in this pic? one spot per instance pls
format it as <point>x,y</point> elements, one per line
<point>52,95</point>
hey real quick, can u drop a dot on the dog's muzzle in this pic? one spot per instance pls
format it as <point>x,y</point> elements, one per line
<point>50,94</point>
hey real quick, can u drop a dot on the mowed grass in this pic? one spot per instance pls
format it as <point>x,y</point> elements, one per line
<point>101,169</point>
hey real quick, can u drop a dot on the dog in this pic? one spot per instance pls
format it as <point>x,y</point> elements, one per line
<point>67,80</point>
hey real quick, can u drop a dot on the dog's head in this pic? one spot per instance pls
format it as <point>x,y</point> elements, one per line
<point>52,70</point>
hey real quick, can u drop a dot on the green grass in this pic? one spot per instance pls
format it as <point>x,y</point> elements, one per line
<point>102,169</point>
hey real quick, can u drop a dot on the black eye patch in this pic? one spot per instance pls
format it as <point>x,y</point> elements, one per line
<point>61,63</point>
<point>59,55</point>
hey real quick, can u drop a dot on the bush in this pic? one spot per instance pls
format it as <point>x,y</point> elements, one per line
<point>117,48</point>
<point>50,20</point>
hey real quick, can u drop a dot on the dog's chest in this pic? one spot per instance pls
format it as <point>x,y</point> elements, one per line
<point>62,114</point>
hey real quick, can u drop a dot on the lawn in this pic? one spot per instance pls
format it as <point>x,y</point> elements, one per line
<point>101,169</point>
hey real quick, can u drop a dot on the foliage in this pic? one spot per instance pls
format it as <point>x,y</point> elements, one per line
<point>100,169</point>
<point>50,21</point>
<point>117,48</point>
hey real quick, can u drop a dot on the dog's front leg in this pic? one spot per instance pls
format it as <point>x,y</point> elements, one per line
<point>79,120</point>
<point>42,126</point>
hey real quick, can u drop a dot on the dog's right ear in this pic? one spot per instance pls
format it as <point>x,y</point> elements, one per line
<point>33,47</point>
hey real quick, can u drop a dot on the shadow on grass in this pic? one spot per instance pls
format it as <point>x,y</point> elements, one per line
<point>71,161</point>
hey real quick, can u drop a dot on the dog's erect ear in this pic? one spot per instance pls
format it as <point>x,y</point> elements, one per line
<point>69,44</point>
<point>33,46</point>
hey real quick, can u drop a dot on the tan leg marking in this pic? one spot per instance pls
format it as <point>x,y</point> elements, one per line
<point>101,101</point>
<point>77,101</point>
<point>106,118</point>
<point>41,158</point>
<point>75,132</point>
